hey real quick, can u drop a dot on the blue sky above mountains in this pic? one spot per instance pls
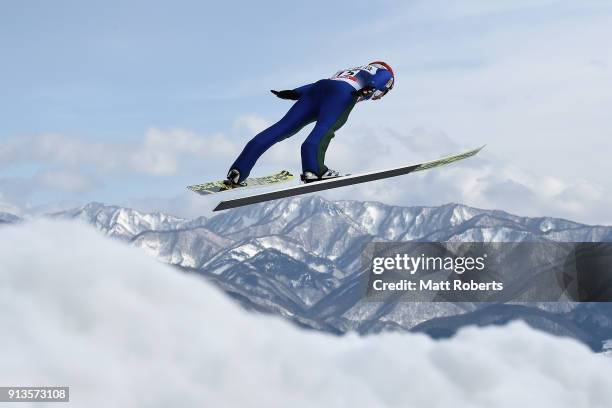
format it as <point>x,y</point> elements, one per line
<point>128,102</point>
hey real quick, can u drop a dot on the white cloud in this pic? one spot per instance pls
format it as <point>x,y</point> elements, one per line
<point>17,193</point>
<point>9,207</point>
<point>81,310</point>
<point>66,166</point>
<point>159,152</point>
<point>251,123</point>
<point>63,180</point>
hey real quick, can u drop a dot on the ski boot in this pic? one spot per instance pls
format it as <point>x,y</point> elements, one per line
<point>309,177</point>
<point>232,180</point>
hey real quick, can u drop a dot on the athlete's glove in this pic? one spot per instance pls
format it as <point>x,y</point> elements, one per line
<point>288,94</point>
<point>364,92</point>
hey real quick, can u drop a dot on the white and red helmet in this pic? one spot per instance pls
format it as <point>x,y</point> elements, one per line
<point>389,85</point>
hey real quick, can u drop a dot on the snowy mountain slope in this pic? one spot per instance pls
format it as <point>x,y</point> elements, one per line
<point>589,323</point>
<point>300,257</point>
<point>190,248</point>
<point>121,222</point>
<point>318,225</point>
<point>274,274</point>
<point>404,223</point>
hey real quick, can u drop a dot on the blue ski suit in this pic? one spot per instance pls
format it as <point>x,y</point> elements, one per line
<point>329,103</point>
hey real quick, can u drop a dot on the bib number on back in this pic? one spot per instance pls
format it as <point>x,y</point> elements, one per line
<point>351,73</point>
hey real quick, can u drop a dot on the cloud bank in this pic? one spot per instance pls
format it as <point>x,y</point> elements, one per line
<point>60,168</point>
<point>157,154</point>
<point>121,329</point>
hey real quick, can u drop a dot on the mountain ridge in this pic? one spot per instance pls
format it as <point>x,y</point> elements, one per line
<point>300,258</point>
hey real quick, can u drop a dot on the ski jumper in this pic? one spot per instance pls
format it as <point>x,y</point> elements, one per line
<point>329,103</point>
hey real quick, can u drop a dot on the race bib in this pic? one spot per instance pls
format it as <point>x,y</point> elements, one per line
<point>351,73</point>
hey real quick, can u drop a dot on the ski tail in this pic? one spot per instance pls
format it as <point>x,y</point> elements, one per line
<point>220,186</point>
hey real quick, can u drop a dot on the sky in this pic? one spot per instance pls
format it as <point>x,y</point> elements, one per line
<point>128,102</point>
<point>130,331</point>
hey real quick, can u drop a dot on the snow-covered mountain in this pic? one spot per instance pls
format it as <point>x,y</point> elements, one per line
<point>300,258</point>
<point>121,222</point>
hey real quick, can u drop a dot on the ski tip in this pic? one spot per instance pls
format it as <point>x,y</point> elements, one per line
<point>475,151</point>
